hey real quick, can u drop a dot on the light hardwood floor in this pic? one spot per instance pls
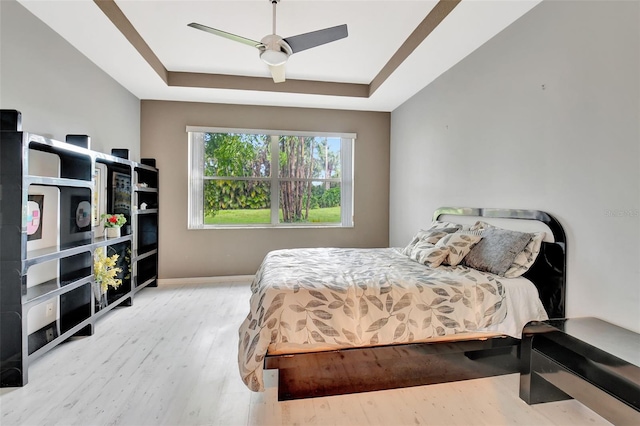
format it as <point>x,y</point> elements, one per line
<point>170,359</point>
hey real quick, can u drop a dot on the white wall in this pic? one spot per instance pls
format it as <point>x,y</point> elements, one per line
<point>543,116</point>
<point>58,90</point>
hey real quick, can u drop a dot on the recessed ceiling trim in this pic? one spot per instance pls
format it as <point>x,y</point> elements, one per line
<point>313,87</point>
<point>422,31</point>
<point>122,23</point>
<point>224,81</point>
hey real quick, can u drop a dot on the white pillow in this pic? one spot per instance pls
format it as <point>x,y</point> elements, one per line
<point>428,254</point>
<point>459,245</point>
<point>431,236</point>
<point>526,257</point>
<point>436,224</point>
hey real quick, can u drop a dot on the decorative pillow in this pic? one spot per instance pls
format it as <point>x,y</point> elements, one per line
<point>428,254</point>
<point>430,236</point>
<point>459,245</point>
<point>480,225</point>
<point>526,257</point>
<point>497,250</point>
<point>436,224</point>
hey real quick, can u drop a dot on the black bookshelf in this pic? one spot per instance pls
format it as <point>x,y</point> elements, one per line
<point>66,304</point>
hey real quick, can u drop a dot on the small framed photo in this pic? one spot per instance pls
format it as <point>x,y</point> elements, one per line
<point>121,193</point>
<point>35,208</point>
<point>80,214</point>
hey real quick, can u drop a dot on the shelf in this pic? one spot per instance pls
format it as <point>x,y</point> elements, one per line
<point>145,283</point>
<point>60,182</point>
<point>102,241</point>
<point>112,304</point>
<point>111,159</point>
<point>40,143</point>
<point>145,189</point>
<point>141,254</point>
<point>140,166</point>
<point>147,211</point>
<point>61,338</point>
<point>51,253</point>
<point>50,289</point>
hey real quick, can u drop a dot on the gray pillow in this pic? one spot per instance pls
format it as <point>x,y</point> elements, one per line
<point>497,250</point>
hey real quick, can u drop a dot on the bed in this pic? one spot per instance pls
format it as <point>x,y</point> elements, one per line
<point>335,321</point>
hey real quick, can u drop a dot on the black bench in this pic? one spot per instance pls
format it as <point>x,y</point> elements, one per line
<point>588,359</point>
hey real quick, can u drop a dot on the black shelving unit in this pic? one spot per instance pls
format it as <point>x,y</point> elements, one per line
<point>145,222</point>
<point>71,300</point>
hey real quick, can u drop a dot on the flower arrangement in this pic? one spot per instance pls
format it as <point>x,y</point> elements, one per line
<point>113,220</point>
<point>105,270</point>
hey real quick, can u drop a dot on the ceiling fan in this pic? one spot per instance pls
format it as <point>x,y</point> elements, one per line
<point>275,50</point>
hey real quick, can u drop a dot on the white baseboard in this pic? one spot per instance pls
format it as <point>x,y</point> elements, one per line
<point>206,280</point>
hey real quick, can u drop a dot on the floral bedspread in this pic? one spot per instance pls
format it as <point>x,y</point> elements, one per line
<point>359,297</point>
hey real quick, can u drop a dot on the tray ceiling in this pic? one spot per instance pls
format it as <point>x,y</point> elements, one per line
<point>394,48</point>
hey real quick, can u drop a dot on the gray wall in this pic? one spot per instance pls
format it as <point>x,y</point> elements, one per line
<point>58,90</point>
<point>544,116</point>
<point>221,252</point>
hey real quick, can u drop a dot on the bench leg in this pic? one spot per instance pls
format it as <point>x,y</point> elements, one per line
<point>533,388</point>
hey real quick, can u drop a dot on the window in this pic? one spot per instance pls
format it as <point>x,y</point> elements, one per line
<point>247,178</point>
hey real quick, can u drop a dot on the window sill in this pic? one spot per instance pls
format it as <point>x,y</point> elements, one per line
<point>267,226</point>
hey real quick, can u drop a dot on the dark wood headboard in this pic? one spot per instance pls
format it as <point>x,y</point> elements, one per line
<point>548,273</point>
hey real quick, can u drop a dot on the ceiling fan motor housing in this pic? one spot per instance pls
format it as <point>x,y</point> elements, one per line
<point>276,50</point>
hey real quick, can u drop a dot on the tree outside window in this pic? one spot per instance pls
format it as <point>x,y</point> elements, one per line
<point>270,179</point>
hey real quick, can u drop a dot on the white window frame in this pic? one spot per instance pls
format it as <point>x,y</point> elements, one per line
<point>195,214</point>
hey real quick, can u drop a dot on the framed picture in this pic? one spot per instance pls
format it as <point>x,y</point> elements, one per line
<point>95,212</point>
<point>80,214</point>
<point>35,207</point>
<point>121,201</point>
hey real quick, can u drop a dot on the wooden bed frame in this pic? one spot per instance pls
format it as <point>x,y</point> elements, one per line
<point>352,370</point>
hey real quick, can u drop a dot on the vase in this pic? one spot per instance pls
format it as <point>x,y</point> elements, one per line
<point>112,232</point>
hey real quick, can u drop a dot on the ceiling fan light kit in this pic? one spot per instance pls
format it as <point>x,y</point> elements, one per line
<point>275,50</point>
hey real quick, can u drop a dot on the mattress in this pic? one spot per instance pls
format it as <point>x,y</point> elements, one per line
<point>328,298</point>
<point>522,303</point>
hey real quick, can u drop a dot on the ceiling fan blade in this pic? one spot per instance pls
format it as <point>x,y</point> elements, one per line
<point>225,34</point>
<point>306,41</point>
<point>277,73</point>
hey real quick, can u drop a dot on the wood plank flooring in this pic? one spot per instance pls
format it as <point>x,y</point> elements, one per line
<point>170,359</point>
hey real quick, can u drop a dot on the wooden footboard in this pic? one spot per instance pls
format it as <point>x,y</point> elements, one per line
<point>355,370</point>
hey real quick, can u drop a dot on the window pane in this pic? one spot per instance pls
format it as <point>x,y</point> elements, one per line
<point>329,156</point>
<point>309,157</point>
<point>322,206</point>
<point>237,155</point>
<point>236,202</point>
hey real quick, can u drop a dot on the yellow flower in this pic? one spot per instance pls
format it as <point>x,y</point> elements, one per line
<point>105,270</point>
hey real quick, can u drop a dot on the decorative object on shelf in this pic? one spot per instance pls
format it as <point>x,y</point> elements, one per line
<point>34,217</point>
<point>120,152</point>
<point>83,141</point>
<point>96,197</point>
<point>143,206</point>
<point>106,273</point>
<point>83,216</point>
<point>10,120</point>
<point>112,224</point>
<point>121,193</point>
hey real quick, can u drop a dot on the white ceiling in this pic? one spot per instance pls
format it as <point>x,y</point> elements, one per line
<point>376,30</point>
